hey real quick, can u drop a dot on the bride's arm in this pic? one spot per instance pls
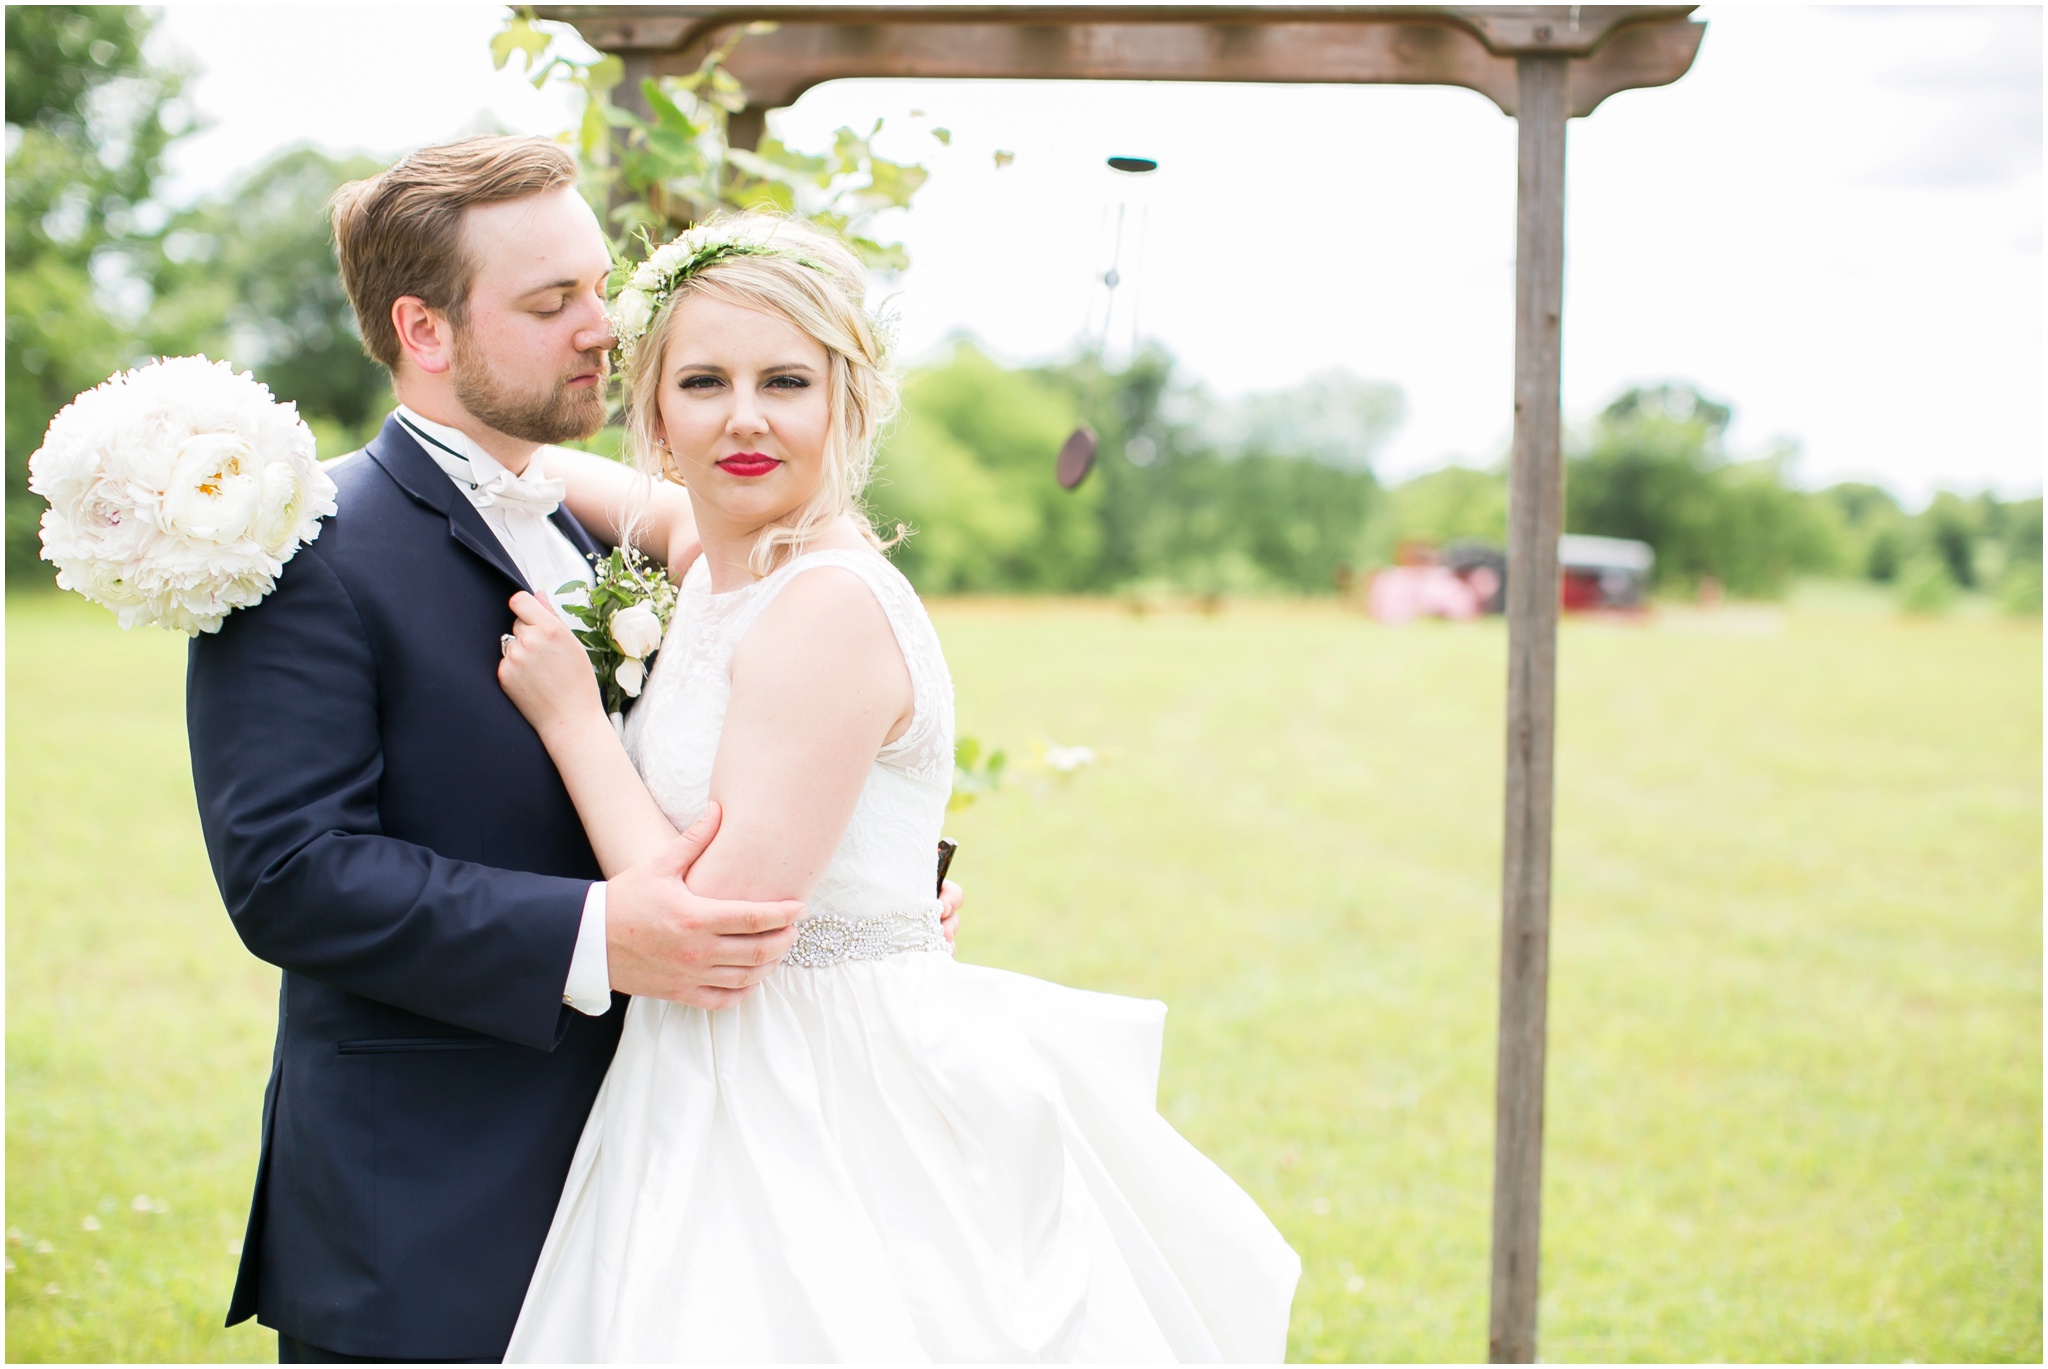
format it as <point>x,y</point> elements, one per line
<point>602,495</point>
<point>818,687</point>
<point>548,675</point>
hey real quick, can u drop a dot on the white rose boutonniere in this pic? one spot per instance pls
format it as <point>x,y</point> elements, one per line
<point>631,603</point>
<point>630,676</point>
<point>636,631</point>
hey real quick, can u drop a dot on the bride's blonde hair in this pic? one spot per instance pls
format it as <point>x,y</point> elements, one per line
<point>812,281</point>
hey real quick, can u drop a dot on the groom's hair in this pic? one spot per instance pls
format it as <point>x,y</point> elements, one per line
<point>400,232</point>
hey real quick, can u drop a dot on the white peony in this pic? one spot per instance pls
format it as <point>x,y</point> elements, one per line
<point>177,493</point>
<point>630,676</point>
<point>636,632</point>
<point>280,509</point>
<point>214,489</point>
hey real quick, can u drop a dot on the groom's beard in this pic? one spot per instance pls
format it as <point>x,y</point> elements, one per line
<point>558,415</point>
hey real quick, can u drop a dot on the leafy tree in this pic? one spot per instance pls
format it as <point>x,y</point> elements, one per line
<point>88,119</point>
<point>1654,468</point>
<point>1262,492</point>
<point>1875,529</point>
<point>1333,418</point>
<point>1926,585</point>
<point>971,467</point>
<point>1454,504</point>
<point>672,159</point>
<point>1212,523</point>
<point>1982,543</point>
<point>250,275</point>
<point>2019,527</point>
<point>970,470</point>
<point>1949,528</point>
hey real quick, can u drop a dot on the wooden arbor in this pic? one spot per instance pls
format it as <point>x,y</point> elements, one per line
<point>1542,64</point>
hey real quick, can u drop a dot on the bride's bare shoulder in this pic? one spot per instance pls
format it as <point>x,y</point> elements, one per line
<point>826,616</point>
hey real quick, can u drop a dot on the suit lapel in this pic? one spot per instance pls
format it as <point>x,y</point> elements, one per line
<point>395,450</point>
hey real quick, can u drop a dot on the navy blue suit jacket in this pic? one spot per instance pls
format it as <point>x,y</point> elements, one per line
<point>387,830</point>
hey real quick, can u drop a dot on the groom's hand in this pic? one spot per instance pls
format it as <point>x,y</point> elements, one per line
<point>662,941</point>
<point>951,896</point>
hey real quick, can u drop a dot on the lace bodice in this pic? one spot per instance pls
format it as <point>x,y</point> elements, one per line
<point>879,882</point>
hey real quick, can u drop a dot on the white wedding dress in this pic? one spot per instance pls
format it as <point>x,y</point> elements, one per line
<point>883,1154</point>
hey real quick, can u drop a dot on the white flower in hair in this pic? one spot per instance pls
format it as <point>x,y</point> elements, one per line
<point>632,312</point>
<point>649,285</point>
<point>177,492</point>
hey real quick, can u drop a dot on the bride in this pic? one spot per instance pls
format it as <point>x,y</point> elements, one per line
<point>878,1153</point>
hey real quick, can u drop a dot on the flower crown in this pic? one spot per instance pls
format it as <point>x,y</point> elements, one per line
<point>651,283</point>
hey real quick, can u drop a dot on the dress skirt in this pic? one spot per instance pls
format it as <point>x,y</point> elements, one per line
<point>899,1159</point>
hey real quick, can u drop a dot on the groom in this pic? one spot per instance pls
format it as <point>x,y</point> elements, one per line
<point>387,829</point>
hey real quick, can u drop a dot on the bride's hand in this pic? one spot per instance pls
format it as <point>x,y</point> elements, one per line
<point>546,671</point>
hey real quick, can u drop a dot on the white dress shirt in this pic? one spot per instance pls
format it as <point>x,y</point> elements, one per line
<point>516,510</point>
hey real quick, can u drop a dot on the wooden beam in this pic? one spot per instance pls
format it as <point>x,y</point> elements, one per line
<point>1616,47</point>
<point>1635,57</point>
<point>1535,518</point>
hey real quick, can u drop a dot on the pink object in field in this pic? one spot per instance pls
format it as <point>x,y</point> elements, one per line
<point>1400,593</point>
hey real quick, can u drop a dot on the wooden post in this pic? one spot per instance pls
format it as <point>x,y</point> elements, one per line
<point>1535,517</point>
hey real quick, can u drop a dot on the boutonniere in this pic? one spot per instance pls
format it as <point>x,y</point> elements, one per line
<point>626,616</point>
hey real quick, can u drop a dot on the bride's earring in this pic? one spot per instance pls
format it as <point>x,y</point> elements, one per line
<point>671,469</point>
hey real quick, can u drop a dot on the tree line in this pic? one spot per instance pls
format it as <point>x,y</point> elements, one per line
<point>1194,493</point>
<point>1276,492</point>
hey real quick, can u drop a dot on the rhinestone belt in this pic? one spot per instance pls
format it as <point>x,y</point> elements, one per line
<point>828,939</point>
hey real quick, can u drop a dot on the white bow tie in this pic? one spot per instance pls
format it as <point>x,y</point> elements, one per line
<point>503,490</point>
<point>508,491</point>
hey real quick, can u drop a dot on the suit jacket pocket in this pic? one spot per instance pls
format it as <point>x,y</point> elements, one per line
<point>397,1045</point>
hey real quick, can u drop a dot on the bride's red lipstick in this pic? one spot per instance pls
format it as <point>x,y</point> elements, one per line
<point>747,465</point>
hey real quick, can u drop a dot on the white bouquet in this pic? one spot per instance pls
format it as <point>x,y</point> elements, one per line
<point>177,492</point>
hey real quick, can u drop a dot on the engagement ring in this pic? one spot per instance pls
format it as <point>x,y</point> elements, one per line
<point>505,644</point>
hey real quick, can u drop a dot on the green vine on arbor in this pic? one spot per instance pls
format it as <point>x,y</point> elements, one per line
<point>649,177</point>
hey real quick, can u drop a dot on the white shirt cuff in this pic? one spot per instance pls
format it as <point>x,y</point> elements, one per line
<point>589,989</point>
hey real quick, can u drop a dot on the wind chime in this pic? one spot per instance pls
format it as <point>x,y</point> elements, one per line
<point>1078,452</point>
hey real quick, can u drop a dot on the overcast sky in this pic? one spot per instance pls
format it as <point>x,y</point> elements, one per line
<point>1832,223</point>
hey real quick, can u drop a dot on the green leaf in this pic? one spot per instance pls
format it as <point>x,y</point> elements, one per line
<point>678,150</point>
<point>763,168</point>
<point>669,116</point>
<point>877,256</point>
<point>849,150</point>
<point>519,35</point>
<point>725,91</point>
<point>541,75</point>
<point>594,132</point>
<point>899,181</point>
<point>816,170</point>
<point>760,194</point>
<point>600,76</point>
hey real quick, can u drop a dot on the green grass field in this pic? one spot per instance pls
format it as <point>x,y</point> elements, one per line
<point>1795,1063</point>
